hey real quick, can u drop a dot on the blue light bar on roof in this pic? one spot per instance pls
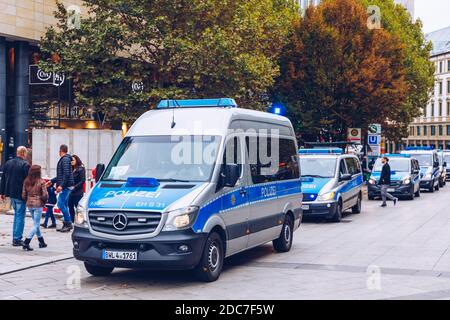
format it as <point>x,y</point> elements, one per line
<point>396,155</point>
<point>198,103</point>
<point>419,148</point>
<point>322,151</point>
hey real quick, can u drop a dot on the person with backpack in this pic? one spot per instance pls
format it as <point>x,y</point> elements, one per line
<point>34,193</point>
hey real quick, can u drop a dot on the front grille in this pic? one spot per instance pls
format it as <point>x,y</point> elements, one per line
<point>396,183</point>
<point>137,222</point>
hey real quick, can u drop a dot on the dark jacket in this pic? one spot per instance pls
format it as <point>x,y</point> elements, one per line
<point>52,199</point>
<point>14,173</point>
<point>385,178</point>
<point>64,175</point>
<point>79,176</point>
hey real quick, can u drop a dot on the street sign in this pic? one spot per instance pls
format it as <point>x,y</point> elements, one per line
<point>374,139</point>
<point>354,135</point>
<point>375,128</point>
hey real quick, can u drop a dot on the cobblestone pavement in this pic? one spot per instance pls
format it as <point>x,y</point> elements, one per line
<point>393,253</point>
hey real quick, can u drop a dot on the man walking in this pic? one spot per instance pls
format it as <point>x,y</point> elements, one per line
<point>64,184</point>
<point>14,173</point>
<point>385,182</point>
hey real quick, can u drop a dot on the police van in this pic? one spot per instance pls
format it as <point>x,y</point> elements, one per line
<point>331,183</point>
<point>430,173</point>
<point>443,168</point>
<point>405,177</point>
<point>446,159</point>
<point>193,182</point>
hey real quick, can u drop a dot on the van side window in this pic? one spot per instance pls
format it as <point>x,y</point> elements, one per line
<point>353,166</point>
<point>232,154</point>
<point>288,163</point>
<point>342,168</point>
<point>259,152</point>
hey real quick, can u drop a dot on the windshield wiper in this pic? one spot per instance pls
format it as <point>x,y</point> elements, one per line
<point>172,180</point>
<point>314,176</point>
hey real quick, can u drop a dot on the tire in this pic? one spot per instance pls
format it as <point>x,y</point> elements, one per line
<point>356,209</point>
<point>441,183</point>
<point>338,213</point>
<point>284,242</point>
<point>211,263</point>
<point>437,187</point>
<point>417,194</point>
<point>431,188</point>
<point>97,271</point>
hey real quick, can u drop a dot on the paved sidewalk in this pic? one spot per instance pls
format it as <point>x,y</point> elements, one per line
<point>13,259</point>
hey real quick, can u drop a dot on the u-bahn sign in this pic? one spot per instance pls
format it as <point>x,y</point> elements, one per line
<point>40,77</point>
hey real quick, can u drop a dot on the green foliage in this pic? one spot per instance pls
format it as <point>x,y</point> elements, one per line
<point>177,48</point>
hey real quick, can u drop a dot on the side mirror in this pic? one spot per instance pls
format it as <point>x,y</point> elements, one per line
<point>346,177</point>
<point>416,171</point>
<point>231,175</point>
<point>445,164</point>
<point>99,170</point>
<point>436,164</point>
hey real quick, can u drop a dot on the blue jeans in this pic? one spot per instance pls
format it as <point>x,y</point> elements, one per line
<point>19,218</point>
<point>36,215</point>
<point>63,199</point>
<point>49,215</point>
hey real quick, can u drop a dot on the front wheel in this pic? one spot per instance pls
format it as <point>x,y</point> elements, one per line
<point>284,242</point>
<point>437,187</point>
<point>417,194</point>
<point>211,263</point>
<point>97,271</point>
<point>338,213</point>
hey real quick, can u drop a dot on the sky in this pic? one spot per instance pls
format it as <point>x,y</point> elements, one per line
<point>433,13</point>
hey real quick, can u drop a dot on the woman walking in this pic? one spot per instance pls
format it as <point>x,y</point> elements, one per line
<point>35,195</point>
<point>79,176</point>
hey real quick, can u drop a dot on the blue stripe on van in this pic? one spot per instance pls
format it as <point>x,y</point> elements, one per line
<point>234,199</point>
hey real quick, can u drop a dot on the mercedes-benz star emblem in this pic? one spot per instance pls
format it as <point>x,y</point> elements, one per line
<point>120,222</point>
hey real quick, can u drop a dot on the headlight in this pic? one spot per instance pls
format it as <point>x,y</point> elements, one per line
<point>181,219</point>
<point>81,214</point>
<point>373,181</point>
<point>407,180</point>
<point>326,197</point>
<point>428,176</point>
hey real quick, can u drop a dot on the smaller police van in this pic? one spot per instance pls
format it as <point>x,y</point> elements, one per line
<point>331,183</point>
<point>405,177</point>
<point>446,159</point>
<point>442,168</point>
<point>430,173</point>
<point>193,182</point>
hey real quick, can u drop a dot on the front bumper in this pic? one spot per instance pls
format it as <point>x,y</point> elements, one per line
<point>399,191</point>
<point>160,252</point>
<point>317,209</point>
<point>427,184</point>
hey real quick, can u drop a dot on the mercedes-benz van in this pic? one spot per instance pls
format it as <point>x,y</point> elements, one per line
<point>193,182</point>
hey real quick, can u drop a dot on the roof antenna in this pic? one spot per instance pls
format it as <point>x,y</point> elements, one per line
<point>173,113</point>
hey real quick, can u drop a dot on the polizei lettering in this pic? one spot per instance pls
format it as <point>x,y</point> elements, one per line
<point>131,194</point>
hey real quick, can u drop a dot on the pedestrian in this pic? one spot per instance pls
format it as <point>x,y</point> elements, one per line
<point>50,208</point>
<point>385,182</point>
<point>14,174</point>
<point>64,185</point>
<point>79,176</point>
<point>35,194</point>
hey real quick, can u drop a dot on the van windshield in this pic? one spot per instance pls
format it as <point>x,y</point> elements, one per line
<point>318,167</point>
<point>425,160</point>
<point>166,158</point>
<point>447,158</point>
<point>400,165</point>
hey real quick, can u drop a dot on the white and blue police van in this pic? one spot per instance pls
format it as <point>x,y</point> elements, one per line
<point>443,168</point>
<point>430,173</point>
<point>405,177</point>
<point>446,160</point>
<point>331,183</point>
<point>193,182</point>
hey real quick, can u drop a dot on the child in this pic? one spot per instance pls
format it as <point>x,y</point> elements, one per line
<point>35,194</point>
<point>50,206</point>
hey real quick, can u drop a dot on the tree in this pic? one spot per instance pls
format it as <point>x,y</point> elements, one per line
<point>337,73</point>
<point>419,69</point>
<point>172,48</point>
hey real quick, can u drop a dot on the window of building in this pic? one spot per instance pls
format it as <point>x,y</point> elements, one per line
<point>448,65</point>
<point>432,109</point>
<point>448,130</point>
<point>448,86</point>
<point>425,130</point>
<point>411,131</point>
<point>440,109</point>
<point>440,67</point>
<point>448,108</point>
<point>418,130</point>
<point>441,130</point>
<point>440,88</point>
<point>433,130</point>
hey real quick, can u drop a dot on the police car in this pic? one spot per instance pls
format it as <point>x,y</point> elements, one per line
<point>405,177</point>
<point>429,166</point>
<point>331,183</point>
<point>193,182</point>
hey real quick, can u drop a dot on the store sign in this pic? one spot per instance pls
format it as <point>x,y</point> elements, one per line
<point>354,135</point>
<point>40,77</point>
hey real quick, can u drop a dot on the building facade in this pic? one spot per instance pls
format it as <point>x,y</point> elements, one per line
<point>433,127</point>
<point>23,104</point>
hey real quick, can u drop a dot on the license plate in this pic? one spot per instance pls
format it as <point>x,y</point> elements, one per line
<point>119,255</point>
<point>390,190</point>
<point>305,207</point>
